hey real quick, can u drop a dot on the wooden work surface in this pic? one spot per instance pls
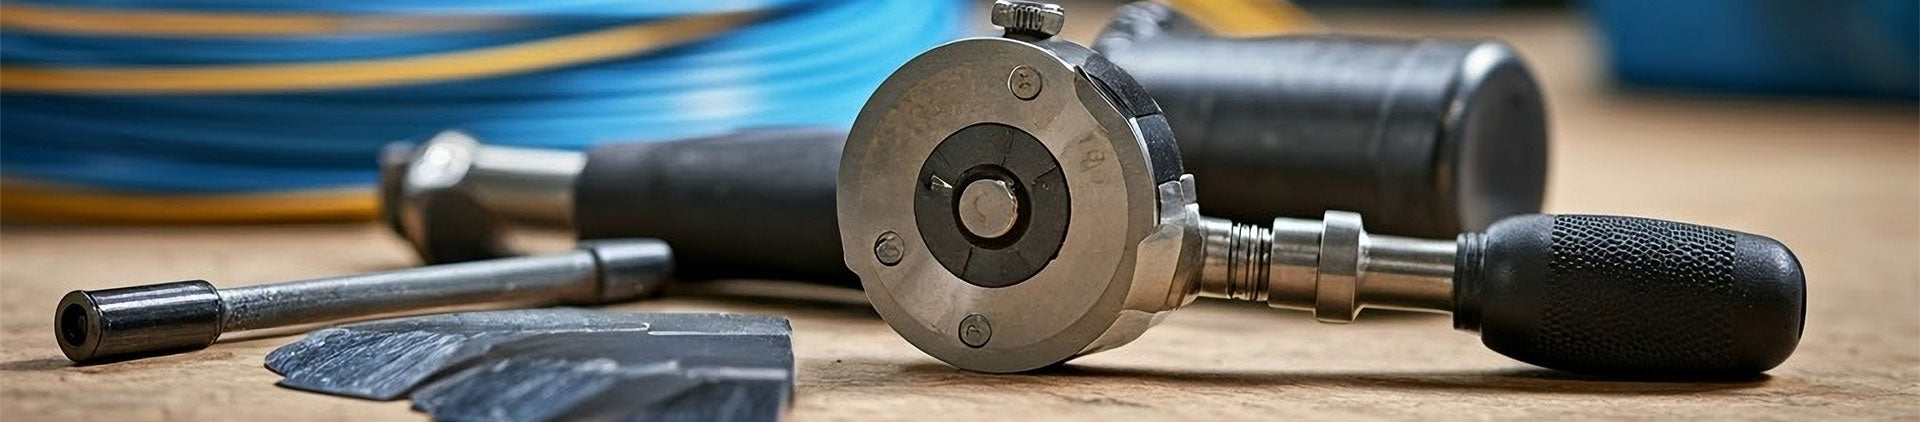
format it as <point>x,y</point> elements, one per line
<point>1835,181</point>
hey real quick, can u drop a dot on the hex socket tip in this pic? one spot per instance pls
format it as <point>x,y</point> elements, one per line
<point>104,325</point>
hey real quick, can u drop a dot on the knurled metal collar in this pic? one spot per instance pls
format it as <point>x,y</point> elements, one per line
<point>1036,19</point>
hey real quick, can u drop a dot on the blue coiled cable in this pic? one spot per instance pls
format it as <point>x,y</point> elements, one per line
<point>805,62</point>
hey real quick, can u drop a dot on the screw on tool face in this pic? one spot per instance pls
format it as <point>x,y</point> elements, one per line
<point>887,248</point>
<point>1024,82</point>
<point>975,331</point>
<point>155,319</point>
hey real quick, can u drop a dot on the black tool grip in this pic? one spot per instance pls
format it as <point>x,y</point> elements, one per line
<point>754,204</point>
<point>1624,296</point>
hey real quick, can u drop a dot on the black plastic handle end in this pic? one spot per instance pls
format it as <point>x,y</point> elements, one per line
<point>1624,296</point>
<point>748,204</point>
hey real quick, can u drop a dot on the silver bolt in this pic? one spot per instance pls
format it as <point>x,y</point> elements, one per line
<point>975,331</point>
<point>988,208</point>
<point>887,248</point>
<point>1029,17</point>
<point>1024,82</point>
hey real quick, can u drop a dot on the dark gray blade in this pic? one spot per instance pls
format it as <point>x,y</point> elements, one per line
<point>555,364</point>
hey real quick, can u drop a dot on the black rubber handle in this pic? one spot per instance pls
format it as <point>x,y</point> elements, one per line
<point>1425,137</point>
<point>755,204</point>
<point>1624,296</point>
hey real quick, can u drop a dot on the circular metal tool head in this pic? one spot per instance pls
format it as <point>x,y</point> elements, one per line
<point>1012,204</point>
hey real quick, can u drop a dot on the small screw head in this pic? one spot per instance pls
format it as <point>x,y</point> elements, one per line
<point>1024,82</point>
<point>888,249</point>
<point>975,331</point>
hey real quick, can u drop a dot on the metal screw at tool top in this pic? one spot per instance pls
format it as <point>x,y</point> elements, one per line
<point>1030,18</point>
<point>975,331</point>
<point>887,248</point>
<point>1024,82</point>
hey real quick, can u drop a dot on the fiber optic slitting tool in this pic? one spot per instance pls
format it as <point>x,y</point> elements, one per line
<point>1014,202</point>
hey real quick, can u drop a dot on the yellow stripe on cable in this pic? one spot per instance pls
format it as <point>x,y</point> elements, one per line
<point>1248,18</point>
<point>477,63</point>
<point>45,203</point>
<point>95,21</point>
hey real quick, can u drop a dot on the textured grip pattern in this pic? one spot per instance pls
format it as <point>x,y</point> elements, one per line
<point>1630,296</point>
<point>1638,293</point>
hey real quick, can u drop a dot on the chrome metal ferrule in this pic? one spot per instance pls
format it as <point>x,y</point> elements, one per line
<point>527,184</point>
<point>455,199</point>
<point>1330,266</point>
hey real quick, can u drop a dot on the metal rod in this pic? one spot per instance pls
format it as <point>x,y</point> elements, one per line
<point>565,277</point>
<point>179,316</point>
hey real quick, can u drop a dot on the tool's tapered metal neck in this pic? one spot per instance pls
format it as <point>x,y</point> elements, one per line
<point>1331,267</point>
<point>527,184</point>
<point>455,199</point>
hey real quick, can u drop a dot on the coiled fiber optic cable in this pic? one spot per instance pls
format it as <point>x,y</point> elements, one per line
<point>239,110</point>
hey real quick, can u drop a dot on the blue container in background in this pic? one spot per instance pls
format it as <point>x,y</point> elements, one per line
<point>1862,48</point>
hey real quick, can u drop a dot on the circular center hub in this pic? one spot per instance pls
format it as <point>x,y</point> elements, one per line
<point>992,205</point>
<point>988,208</point>
<point>1075,273</point>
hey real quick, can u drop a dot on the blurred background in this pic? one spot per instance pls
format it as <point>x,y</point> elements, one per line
<point>240,111</point>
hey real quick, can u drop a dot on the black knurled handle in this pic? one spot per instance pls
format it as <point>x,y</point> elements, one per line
<point>1625,296</point>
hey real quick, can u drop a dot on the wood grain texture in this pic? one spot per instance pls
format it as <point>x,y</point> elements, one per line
<point>1837,182</point>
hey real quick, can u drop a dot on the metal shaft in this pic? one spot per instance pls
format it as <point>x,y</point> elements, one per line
<point>566,277</point>
<point>151,319</point>
<point>1331,267</point>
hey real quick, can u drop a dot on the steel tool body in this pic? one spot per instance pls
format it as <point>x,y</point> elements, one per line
<point>1014,202</point>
